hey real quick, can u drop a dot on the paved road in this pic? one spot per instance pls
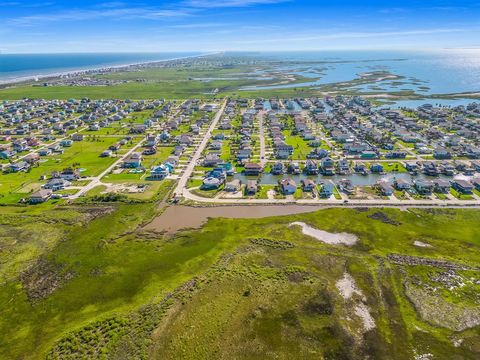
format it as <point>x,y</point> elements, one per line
<point>351,203</point>
<point>97,179</point>
<point>182,182</point>
<point>56,141</point>
<point>263,156</point>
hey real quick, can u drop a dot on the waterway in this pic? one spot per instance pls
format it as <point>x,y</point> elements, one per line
<point>176,218</point>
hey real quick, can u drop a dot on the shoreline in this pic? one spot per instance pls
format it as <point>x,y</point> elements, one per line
<point>38,77</point>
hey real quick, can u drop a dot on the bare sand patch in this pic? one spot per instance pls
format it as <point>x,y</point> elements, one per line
<point>327,237</point>
<point>361,310</point>
<point>422,244</point>
<point>347,287</point>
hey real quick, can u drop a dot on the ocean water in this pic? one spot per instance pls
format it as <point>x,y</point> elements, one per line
<point>428,73</point>
<point>14,66</point>
<point>425,72</point>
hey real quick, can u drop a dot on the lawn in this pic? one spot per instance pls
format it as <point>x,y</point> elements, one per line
<point>394,167</point>
<point>441,196</point>
<point>336,194</point>
<point>400,195</point>
<point>300,146</point>
<point>194,183</point>
<point>459,195</point>
<point>263,190</point>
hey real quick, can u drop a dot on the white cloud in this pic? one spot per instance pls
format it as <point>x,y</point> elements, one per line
<point>207,4</point>
<point>89,14</point>
<point>353,35</point>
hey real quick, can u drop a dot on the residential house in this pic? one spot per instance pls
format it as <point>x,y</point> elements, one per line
<point>442,153</point>
<point>253,169</point>
<point>385,188</point>
<point>233,186</point>
<point>402,184</point>
<point>77,137</point>
<point>278,168</point>
<point>288,186</point>
<point>294,168</point>
<point>211,160</point>
<point>251,188</point>
<point>308,185</point>
<point>476,183</point>
<point>70,174</point>
<point>311,168</point>
<point>20,166</point>
<point>44,152</point>
<point>106,153</point>
<point>376,168</point>
<point>7,154</point>
<point>424,187</point>
<point>343,167</point>
<point>211,183</point>
<point>328,188</point>
<point>32,158</point>
<point>411,166</point>
<point>134,160</point>
<point>463,186</point>
<point>327,166</point>
<point>442,186</point>
<point>66,143</point>
<point>57,184</point>
<point>159,172</point>
<point>40,196</point>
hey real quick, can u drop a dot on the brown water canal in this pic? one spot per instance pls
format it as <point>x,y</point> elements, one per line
<point>176,218</point>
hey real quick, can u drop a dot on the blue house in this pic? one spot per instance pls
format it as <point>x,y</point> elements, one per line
<point>159,172</point>
<point>376,168</point>
<point>133,161</point>
<point>328,188</point>
<point>66,143</point>
<point>6,154</point>
<point>463,186</point>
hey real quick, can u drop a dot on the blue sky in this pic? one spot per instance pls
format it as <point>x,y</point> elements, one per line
<point>212,25</point>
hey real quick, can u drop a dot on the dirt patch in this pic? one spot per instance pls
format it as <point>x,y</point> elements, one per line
<point>43,278</point>
<point>124,188</point>
<point>380,216</point>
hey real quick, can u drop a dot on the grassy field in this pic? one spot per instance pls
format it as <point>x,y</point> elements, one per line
<point>83,289</point>
<point>178,88</point>
<point>180,83</point>
<point>84,155</point>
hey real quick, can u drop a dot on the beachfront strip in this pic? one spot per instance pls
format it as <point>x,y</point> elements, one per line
<point>333,150</point>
